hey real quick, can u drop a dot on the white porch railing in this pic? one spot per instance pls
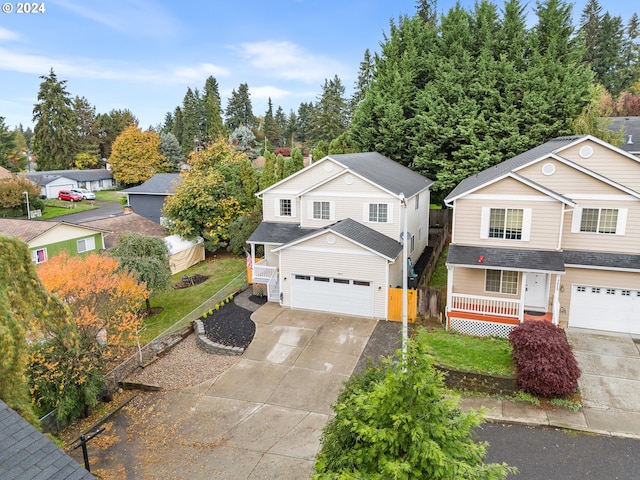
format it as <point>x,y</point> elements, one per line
<point>500,307</point>
<point>263,273</point>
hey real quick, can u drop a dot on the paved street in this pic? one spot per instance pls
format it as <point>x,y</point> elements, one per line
<point>107,209</point>
<point>542,453</point>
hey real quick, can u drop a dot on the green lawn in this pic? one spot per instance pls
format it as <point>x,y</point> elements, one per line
<point>439,278</point>
<point>178,303</point>
<point>110,195</point>
<point>58,208</point>
<point>462,352</point>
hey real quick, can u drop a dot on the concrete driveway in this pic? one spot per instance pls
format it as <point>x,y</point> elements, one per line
<point>263,417</point>
<point>610,380</point>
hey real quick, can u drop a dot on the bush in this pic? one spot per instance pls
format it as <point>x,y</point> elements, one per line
<point>544,361</point>
<point>285,152</point>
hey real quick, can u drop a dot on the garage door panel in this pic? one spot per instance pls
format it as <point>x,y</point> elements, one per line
<point>605,308</point>
<point>334,295</point>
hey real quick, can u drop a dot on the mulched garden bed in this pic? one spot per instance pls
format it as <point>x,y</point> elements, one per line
<point>231,325</point>
<point>191,281</point>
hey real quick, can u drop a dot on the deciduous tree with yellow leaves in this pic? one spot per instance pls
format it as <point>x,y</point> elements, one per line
<point>135,156</point>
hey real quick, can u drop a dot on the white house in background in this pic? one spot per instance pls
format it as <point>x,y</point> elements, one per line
<point>51,182</point>
<point>331,233</point>
<point>551,234</point>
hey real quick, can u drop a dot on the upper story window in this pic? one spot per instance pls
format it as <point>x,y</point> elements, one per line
<point>378,212</point>
<point>86,244</point>
<point>322,210</point>
<point>599,220</point>
<point>501,281</point>
<point>285,207</point>
<point>607,221</point>
<point>506,223</point>
<point>417,201</point>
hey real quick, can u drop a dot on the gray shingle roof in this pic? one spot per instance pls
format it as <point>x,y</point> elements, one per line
<point>27,454</point>
<point>367,237</point>
<point>45,177</point>
<point>278,233</point>
<point>507,166</point>
<point>601,259</point>
<point>508,258</point>
<point>126,223</point>
<point>631,129</point>
<point>384,172</point>
<point>159,184</point>
<point>27,230</point>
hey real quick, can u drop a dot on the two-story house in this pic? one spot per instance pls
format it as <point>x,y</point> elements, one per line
<point>331,233</point>
<point>551,234</point>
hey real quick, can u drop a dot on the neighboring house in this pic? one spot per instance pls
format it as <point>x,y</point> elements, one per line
<point>630,127</point>
<point>47,239</point>
<point>25,453</point>
<point>331,233</point>
<point>125,223</point>
<point>551,234</point>
<point>51,182</point>
<point>148,198</point>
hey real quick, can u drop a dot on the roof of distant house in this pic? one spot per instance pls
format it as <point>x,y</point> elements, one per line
<point>631,132</point>
<point>4,173</point>
<point>126,223</point>
<point>27,230</point>
<point>45,177</point>
<point>159,184</point>
<point>27,453</point>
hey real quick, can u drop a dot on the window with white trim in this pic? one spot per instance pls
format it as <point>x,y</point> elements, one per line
<point>506,223</point>
<point>378,212</point>
<point>86,244</point>
<point>605,221</point>
<point>285,207</point>
<point>501,281</point>
<point>599,220</point>
<point>322,210</point>
<point>39,255</point>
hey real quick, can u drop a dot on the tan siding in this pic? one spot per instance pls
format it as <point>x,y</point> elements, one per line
<point>608,163</point>
<point>545,221</point>
<point>61,233</point>
<point>470,281</point>
<point>595,278</point>
<point>308,177</point>
<point>627,243</point>
<point>567,180</point>
<point>341,260</point>
<point>269,212</point>
<point>507,186</point>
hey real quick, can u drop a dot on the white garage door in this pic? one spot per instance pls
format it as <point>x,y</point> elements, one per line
<point>336,295</point>
<point>52,190</point>
<point>603,308</point>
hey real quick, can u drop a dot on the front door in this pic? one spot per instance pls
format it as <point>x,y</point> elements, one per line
<point>536,293</point>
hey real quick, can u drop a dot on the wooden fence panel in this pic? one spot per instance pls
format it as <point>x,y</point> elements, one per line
<point>395,305</point>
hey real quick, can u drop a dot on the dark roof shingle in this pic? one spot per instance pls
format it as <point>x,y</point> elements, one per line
<point>508,258</point>
<point>159,184</point>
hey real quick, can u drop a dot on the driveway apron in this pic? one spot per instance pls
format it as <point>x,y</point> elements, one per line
<point>610,380</point>
<point>271,406</point>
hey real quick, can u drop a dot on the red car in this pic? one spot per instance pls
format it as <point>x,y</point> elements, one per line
<point>69,195</point>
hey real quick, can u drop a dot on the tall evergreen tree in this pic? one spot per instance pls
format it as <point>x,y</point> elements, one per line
<point>365,75</point>
<point>303,132</point>
<point>55,136</point>
<point>112,124</point>
<point>281,120</point>
<point>213,126</point>
<point>331,114</point>
<point>170,148</point>
<point>239,110</point>
<point>8,146</point>
<point>88,127</point>
<point>177,128</point>
<point>167,125</point>
<point>291,128</point>
<point>192,121</point>
<point>271,127</point>
<point>630,57</point>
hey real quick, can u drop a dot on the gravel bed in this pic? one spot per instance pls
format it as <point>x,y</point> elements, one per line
<point>183,366</point>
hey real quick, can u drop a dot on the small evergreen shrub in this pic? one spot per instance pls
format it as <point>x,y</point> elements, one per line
<point>544,361</point>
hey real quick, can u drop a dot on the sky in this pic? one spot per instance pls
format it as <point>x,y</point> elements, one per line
<point>142,55</point>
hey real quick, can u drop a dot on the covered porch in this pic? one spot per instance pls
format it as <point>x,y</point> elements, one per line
<point>490,291</point>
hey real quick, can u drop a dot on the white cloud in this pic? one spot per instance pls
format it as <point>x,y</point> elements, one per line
<point>11,60</point>
<point>137,17</point>
<point>268,91</point>
<point>289,61</point>
<point>8,35</point>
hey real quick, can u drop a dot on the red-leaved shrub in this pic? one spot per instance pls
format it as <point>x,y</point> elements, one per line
<point>285,152</point>
<point>544,361</point>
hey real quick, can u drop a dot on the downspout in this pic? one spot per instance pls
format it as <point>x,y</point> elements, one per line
<point>449,294</point>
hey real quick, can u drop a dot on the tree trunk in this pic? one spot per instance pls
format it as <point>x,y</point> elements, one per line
<point>148,306</point>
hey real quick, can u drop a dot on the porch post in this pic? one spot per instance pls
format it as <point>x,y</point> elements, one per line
<point>449,293</point>
<point>555,319</point>
<point>523,292</point>
<point>253,254</point>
